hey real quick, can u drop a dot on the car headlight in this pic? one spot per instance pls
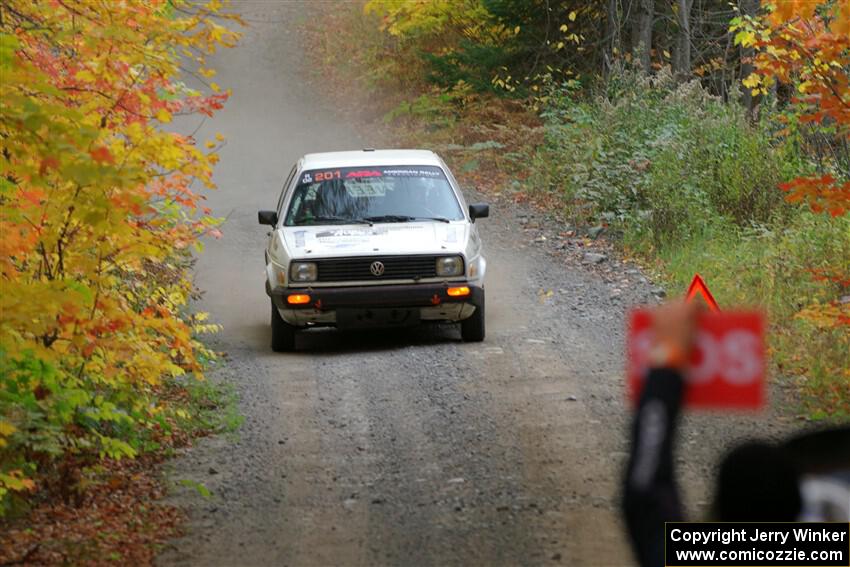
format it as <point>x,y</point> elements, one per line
<point>450,266</point>
<point>303,271</point>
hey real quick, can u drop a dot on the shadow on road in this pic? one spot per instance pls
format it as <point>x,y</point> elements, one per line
<point>255,339</point>
<point>332,341</point>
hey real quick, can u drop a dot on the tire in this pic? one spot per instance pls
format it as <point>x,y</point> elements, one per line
<point>472,329</point>
<point>283,334</point>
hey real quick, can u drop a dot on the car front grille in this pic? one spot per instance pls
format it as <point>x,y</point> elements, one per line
<point>359,269</point>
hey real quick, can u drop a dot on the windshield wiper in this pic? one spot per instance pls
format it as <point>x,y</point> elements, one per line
<point>403,218</point>
<point>341,220</point>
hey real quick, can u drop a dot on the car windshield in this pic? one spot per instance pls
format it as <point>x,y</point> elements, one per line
<point>373,194</point>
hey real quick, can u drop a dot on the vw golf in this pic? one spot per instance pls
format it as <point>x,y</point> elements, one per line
<point>373,239</point>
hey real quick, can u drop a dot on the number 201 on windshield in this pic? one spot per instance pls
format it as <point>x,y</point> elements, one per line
<point>327,175</point>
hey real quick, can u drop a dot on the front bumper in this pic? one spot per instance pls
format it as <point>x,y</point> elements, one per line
<point>432,301</point>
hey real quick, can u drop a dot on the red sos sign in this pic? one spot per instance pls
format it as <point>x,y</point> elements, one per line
<point>727,368</point>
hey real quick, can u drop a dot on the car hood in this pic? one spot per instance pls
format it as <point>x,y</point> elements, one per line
<point>362,240</point>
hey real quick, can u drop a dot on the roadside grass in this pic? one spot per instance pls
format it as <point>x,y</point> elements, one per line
<point>683,182</point>
<point>773,268</point>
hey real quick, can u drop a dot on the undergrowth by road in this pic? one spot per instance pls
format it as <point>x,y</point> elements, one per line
<point>109,512</point>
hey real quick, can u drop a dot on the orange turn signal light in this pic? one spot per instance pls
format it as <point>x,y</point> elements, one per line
<point>458,291</point>
<point>298,299</point>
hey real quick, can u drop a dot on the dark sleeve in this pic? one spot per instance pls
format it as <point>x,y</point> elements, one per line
<point>650,496</point>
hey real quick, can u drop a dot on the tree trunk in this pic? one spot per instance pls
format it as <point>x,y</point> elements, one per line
<point>612,36</point>
<point>682,54</point>
<point>633,12</point>
<point>642,33</point>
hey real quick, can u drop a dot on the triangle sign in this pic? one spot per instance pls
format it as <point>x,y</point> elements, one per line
<point>698,287</point>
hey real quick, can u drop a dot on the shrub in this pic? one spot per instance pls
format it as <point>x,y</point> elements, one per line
<point>659,161</point>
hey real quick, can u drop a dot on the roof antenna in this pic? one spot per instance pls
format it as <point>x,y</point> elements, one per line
<point>368,149</point>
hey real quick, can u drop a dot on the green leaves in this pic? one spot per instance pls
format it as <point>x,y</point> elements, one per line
<point>8,45</point>
<point>197,486</point>
<point>745,38</point>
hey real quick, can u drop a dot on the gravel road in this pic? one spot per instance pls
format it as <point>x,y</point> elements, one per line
<point>411,448</point>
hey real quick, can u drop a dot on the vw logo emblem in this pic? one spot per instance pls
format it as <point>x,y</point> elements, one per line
<point>377,269</point>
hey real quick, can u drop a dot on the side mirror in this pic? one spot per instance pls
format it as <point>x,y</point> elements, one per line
<point>479,211</point>
<point>267,217</point>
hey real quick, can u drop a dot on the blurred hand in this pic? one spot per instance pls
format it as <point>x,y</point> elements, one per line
<point>674,325</point>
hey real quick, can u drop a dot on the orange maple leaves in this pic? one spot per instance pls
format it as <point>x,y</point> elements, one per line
<point>823,194</point>
<point>785,11</point>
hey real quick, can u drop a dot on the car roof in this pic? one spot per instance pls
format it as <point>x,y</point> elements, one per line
<point>370,157</point>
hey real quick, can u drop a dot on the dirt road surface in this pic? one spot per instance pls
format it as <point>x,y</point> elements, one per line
<point>409,448</point>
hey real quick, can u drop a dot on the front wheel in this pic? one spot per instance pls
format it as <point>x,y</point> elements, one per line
<point>472,329</point>
<point>283,334</point>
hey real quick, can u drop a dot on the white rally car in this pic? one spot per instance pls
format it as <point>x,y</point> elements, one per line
<point>373,239</point>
